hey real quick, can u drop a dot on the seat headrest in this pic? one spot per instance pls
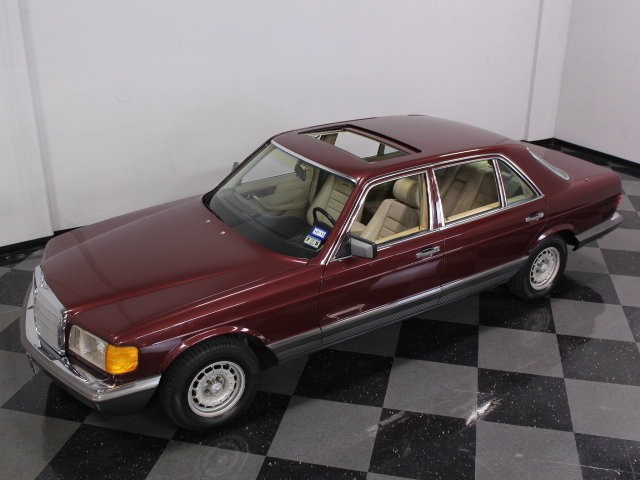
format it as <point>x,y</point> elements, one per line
<point>406,190</point>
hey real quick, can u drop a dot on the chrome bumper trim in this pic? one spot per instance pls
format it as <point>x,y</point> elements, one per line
<point>599,230</point>
<point>89,389</point>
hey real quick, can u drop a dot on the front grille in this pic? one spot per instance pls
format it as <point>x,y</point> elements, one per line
<point>49,314</point>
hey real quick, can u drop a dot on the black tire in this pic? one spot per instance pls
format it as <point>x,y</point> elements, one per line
<point>223,370</point>
<point>533,280</point>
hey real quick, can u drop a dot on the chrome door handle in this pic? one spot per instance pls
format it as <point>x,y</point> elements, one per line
<point>534,217</point>
<point>427,252</point>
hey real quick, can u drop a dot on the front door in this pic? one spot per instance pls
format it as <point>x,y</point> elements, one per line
<point>360,294</point>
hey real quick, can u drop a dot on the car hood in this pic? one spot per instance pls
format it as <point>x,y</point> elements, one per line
<point>176,247</point>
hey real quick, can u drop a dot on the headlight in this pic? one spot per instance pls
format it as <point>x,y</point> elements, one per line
<point>107,357</point>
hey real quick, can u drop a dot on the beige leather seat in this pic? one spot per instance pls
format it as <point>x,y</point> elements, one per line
<point>466,190</point>
<point>331,197</point>
<point>396,215</point>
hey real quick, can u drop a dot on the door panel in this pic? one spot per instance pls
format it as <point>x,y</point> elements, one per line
<point>357,288</point>
<point>484,239</point>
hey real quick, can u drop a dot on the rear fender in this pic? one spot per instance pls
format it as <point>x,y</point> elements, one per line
<point>565,230</point>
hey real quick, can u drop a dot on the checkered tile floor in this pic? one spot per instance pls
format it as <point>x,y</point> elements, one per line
<point>491,387</point>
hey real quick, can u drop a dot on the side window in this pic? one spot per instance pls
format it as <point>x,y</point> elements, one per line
<point>516,189</point>
<point>393,210</point>
<point>467,189</point>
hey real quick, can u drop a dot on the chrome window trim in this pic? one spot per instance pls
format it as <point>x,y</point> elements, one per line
<point>436,203</point>
<point>503,207</point>
<point>501,191</point>
<point>550,166</point>
<point>422,170</point>
<point>522,174</point>
<point>312,162</point>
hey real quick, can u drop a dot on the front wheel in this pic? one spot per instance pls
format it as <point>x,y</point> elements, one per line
<point>540,273</point>
<point>210,384</point>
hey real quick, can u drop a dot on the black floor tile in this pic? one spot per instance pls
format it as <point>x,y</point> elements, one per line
<point>103,450</point>
<point>346,377</point>
<point>253,432</point>
<point>586,287</point>
<point>42,396</point>
<point>622,262</point>
<point>633,450</point>
<point>523,399</point>
<point>508,311</point>
<point>591,473</point>
<point>69,470</point>
<point>13,286</point>
<point>417,445</point>
<point>10,338</point>
<point>279,469</point>
<point>631,220</point>
<point>603,452</point>
<point>600,360</point>
<point>436,341</point>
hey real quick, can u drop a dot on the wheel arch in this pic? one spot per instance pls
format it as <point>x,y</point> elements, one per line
<point>565,231</point>
<point>256,342</point>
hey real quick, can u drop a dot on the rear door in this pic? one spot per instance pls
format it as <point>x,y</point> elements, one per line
<point>490,213</point>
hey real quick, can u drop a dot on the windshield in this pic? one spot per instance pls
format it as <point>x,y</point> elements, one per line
<point>281,202</point>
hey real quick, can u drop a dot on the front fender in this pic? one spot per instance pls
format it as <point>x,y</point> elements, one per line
<point>200,337</point>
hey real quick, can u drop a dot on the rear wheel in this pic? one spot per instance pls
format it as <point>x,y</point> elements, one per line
<point>540,273</point>
<point>211,384</point>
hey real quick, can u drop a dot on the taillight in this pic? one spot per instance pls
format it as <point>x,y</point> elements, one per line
<point>618,200</point>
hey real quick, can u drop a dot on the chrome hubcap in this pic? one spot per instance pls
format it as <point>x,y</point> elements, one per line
<point>544,269</point>
<point>216,389</point>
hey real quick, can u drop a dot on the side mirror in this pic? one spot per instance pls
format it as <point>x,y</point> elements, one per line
<point>235,166</point>
<point>360,247</point>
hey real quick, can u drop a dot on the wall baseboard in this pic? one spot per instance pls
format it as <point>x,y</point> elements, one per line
<point>588,153</point>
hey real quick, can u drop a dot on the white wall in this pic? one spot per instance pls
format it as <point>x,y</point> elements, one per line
<point>144,101</point>
<point>547,72</point>
<point>600,97</point>
<point>24,211</point>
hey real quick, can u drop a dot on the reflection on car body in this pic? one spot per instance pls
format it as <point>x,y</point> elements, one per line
<point>321,235</point>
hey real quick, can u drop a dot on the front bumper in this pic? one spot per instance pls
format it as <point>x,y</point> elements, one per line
<point>87,388</point>
<point>599,230</point>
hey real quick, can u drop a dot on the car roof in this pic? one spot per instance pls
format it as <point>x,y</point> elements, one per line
<point>425,140</point>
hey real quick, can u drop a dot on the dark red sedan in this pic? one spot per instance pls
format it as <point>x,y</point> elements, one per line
<point>322,234</point>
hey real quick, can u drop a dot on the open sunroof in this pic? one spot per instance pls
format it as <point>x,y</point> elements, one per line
<point>358,144</point>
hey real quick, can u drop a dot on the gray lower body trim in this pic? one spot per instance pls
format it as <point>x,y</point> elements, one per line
<point>342,330</point>
<point>599,230</point>
<point>92,391</point>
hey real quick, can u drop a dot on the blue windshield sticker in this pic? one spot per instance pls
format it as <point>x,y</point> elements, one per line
<point>319,233</point>
<point>316,237</point>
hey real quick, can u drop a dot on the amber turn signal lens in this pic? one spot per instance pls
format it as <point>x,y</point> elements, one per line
<point>120,359</point>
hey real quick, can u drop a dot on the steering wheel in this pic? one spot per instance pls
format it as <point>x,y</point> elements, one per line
<point>323,212</point>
